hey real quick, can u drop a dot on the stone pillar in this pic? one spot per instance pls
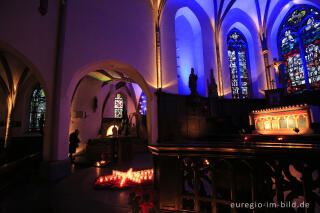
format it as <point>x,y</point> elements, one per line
<point>267,68</point>
<point>158,57</point>
<point>265,53</point>
<point>218,56</point>
<point>57,163</point>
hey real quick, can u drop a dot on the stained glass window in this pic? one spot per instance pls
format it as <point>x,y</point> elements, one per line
<point>299,46</point>
<point>37,110</point>
<point>237,54</point>
<point>118,106</point>
<point>142,106</point>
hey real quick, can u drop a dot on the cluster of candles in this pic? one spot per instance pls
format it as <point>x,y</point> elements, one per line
<point>120,179</point>
<point>101,163</point>
<point>206,162</point>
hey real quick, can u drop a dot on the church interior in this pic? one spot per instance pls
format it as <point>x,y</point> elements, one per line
<point>208,106</point>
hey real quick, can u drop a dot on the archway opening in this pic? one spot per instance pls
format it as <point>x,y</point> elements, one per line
<point>106,109</point>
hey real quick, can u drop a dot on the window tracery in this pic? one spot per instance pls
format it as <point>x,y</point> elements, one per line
<point>237,54</point>
<point>299,39</point>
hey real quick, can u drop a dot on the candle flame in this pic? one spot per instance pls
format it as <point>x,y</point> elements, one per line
<point>128,176</point>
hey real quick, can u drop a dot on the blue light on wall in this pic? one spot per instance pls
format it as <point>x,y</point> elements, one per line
<point>189,51</point>
<point>142,106</point>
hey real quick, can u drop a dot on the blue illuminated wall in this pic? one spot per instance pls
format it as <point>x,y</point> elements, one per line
<point>189,51</point>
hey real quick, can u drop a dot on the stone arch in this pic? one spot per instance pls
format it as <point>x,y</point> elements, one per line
<point>109,64</point>
<point>128,71</point>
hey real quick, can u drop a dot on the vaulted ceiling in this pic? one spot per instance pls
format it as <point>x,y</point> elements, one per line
<point>109,76</point>
<point>217,10</point>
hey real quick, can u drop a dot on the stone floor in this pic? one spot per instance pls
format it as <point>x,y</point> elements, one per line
<point>74,193</point>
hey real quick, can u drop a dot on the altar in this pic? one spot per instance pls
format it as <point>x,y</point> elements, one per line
<point>285,120</point>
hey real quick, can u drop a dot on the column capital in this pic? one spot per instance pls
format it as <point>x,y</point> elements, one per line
<point>265,52</point>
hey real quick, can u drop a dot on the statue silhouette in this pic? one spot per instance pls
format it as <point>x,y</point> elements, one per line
<point>193,78</point>
<point>212,86</point>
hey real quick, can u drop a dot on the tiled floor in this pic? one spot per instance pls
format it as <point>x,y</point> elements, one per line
<point>72,194</point>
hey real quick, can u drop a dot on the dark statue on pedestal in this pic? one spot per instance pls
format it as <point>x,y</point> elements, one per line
<point>194,98</point>
<point>212,86</point>
<point>193,78</point>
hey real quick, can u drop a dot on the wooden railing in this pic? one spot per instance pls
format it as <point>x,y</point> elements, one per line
<point>210,178</point>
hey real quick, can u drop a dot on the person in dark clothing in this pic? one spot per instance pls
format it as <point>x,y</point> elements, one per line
<point>124,126</point>
<point>114,131</point>
<point>74,143</point>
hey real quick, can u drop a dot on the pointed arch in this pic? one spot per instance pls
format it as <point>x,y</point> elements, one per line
<point>37,110</point>
<point>189,50</point>
<point>142,105</point>
<point>238,64</point>
<point>239,19</point>
<point>274,20</point>
<point>119,105</point>
<point>168,41</point>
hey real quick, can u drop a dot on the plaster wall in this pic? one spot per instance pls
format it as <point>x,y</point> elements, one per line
<point>83,101</point>
<point>123,32</point>
<point>25,33</point>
